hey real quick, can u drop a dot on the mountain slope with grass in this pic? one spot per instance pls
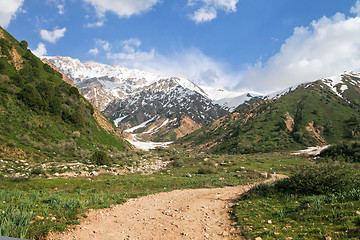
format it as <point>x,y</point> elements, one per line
<point>316,113</point>
<point>42,117</point>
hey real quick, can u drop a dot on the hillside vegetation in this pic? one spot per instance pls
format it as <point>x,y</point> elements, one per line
<point>303,117</point>
<point>42,117</point>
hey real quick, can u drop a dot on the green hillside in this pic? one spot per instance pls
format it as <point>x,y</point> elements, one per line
<point>308,116</point>
<point>42,117</point>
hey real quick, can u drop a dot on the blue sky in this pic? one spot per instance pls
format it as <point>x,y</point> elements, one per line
<point>260,45</point>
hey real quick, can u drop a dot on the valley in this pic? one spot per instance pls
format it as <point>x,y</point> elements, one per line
<point>93,151</point>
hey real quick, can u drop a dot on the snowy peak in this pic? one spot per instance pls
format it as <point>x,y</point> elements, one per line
<point>115,76</point>
<point>340,84</point>
<point>79,71</point>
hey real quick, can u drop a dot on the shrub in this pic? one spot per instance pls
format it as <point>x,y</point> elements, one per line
<point>30,96</point>
<point>74,91</point>
<point>206,170</point>
<point>2,67</point>
<point>100,158</point>
<point>345,151</point>
<point>24,44</point>
<point>322,178</point>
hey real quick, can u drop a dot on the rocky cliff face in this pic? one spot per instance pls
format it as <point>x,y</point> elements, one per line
<point>164,112</point>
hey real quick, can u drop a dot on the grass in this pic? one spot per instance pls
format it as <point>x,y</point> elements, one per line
<point>284,211</point>
<point>300,217</point>
<point>53,204</point>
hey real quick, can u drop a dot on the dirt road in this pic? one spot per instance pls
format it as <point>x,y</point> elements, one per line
<point>180,214</point>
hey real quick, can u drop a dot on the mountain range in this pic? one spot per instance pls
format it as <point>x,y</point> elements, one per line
<point>171,106</point>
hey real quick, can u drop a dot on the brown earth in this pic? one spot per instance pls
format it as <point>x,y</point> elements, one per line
<point>187,125</point>
<point>316,132</point>
<point>16,57</point>
<point>180,214</point>
<point>289,122</point>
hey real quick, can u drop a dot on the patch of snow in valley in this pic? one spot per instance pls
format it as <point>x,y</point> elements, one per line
<point>146,146</point>
<point>130,130</point>
<point>116,121</point>
<point>311,151</point>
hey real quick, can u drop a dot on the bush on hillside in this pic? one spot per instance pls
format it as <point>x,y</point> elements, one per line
<point>323,178</point>
<point>31,97</point>
<point>100,158</point>
<point>349,152</point>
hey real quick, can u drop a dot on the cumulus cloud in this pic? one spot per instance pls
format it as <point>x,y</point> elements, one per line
<point>326,47</point>
<point>8,10</point>
<point>52,36</point>
<point>356,9</point>
<point>40,51</point>
<point>122,8</point>
<point>206,10</point>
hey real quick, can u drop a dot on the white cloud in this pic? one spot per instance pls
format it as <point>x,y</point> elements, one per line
<point>100,45</point>
<point>52,36</point>
<point>105,45</point>
<point>356,9</point>
<point>191,64</point>
<point>61,8</point>
<point>204,15</point>
<point>327,47</point>
<point>131,55</point>
<point>8,10</point>
<point>94,51</point>
<point>60,5</point>
<point>99,23</point>
<point>206,10</point>
<point>122,8</point>
<point>40,51</point>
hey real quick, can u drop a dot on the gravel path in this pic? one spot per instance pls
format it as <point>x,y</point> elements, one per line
<point>180,214</point>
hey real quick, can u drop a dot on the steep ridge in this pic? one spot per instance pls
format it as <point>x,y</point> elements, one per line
<point>42,116</point>
<point>316,113</point>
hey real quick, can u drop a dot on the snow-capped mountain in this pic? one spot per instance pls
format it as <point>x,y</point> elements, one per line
<point>102,84</point>
<point>164,116</point>
<point>131,97</point>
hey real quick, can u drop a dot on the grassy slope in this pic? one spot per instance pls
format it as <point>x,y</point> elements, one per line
<point>49,121</point>
<point>261,127</point>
